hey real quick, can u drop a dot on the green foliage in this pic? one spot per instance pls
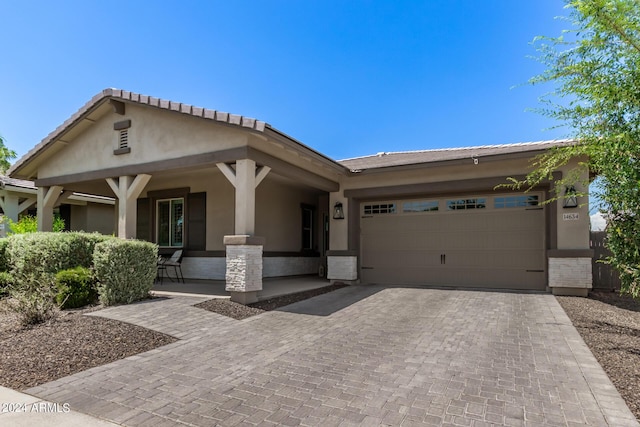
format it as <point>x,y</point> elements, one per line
<point>5,156</point>
<point>75,287</point>
<point>125,270</point>
<point>4,262</point>
<point>29,224</point>
<point>6,280</point>
<point>32,300</point>
<point>44,254</point>
<point>596,70</point>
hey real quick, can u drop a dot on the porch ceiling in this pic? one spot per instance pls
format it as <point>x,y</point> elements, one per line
<point>96,183</point>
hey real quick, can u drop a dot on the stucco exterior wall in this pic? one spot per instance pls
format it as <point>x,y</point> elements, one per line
<point>93,218</point>
<point>573,233</point>
<point>278,212</point>
<point>154,135</point>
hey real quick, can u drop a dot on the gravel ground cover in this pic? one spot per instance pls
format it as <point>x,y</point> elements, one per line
<point>66,344</point>
<point>610,326</point>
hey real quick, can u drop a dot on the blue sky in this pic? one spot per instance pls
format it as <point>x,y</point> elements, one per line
<point>348,78</point>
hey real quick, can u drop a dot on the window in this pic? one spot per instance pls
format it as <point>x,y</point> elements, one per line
<point>515,201</point>
<point>465,204</point>
<point>170,222</point>
<point>420,206</point>
<point>307,228</point>
<point>382,208</point>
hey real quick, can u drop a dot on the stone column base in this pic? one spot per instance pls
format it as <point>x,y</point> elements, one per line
<point>244,267</point>
<point>244,297</point>
<point>342,266</point>
<point>570,272</point>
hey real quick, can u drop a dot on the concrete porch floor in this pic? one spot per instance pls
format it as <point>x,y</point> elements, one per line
<point>271,287</point>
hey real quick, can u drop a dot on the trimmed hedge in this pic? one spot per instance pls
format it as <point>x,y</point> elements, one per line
<point>6,280</point>
<point>125,270</point>
<point>44,254</point>
<point>4,261</point>
<point>76,288</point>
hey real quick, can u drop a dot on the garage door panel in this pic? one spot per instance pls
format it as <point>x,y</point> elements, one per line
<point>501,248</point>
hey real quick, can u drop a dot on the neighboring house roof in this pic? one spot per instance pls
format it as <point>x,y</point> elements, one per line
<point>21,183</point>
<point>404,158</point>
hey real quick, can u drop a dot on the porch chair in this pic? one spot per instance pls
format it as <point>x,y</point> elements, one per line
<point>175,261</point>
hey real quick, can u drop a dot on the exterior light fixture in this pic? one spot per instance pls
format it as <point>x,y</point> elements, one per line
<point>570,197</point>
<point>338,212</point>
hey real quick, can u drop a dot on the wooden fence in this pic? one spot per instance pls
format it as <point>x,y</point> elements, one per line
<point>605,277</point>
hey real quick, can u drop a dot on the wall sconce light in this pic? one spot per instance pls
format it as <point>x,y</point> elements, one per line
<point>570,197</point>
<point>338,212</point>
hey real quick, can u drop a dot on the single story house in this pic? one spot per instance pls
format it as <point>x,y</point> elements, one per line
<point>81,212</point>
<point>246,201</point>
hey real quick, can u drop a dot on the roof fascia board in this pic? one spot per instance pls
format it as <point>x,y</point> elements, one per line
<point>440,187</point>
<point>149,167</point>
<point>294,144</point>
<point>452,162</point>
<point>225,156</point>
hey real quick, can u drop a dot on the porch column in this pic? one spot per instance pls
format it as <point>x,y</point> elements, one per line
<point>342,258</point>
<point>11,206</point>
<point>127,189</point>
<point>47,198</point>
<point>244,250</point>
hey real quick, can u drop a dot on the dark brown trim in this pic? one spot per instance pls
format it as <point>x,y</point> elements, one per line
<point>149,167</point>
<point>222,254</point>
<point>172,193</point>
<point>225,156</point>
<point>119,151</point>
<point>570,253</point>
<point>451,162</point>
<point>342,253</point>
<point>353,243</point>
<point>123,124</point>
<point>205,254</point>
<point>118,106</point>
<point>437,188</point>
<point>169,193</point>
<point>285,254</point>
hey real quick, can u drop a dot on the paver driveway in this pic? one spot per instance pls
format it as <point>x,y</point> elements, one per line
<point>363,355</point>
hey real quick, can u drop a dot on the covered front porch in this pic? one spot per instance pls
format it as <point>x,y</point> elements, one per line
<point>271,287</point>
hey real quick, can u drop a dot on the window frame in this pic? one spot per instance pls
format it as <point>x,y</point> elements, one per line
<point>157,222</point>
<point>309,231</point>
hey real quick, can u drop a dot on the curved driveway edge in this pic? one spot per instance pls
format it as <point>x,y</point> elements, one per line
<point>362,355</point>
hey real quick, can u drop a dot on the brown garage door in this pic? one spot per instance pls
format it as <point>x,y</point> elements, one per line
<point>475,241</point>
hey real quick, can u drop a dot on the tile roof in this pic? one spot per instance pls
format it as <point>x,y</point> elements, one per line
<point>123,95</point>
<point>403,158</point>
<point>23,183</point>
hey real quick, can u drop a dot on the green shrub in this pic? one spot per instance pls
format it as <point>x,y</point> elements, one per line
<point>125,270</point>
<point>31,301</point>
<point>4,262</point>
<point>76,287</point>
<point>29,224</point>
<point>34,260</point>
<point>44,254</point>
<point>6,280</point>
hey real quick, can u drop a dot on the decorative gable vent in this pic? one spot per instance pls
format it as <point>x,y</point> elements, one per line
<point>122,137</point>
<point>123,141</point>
